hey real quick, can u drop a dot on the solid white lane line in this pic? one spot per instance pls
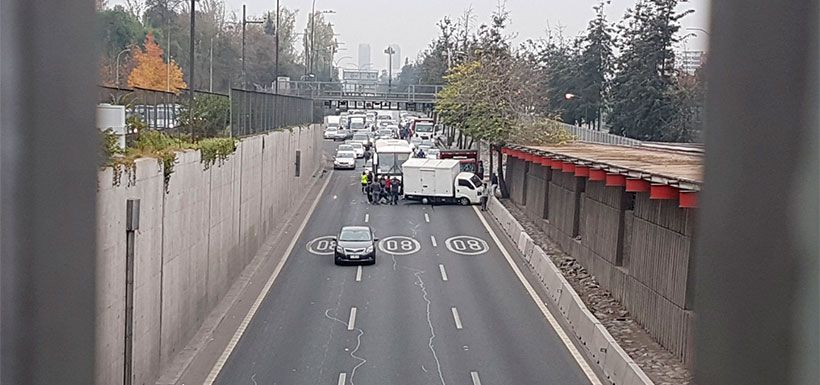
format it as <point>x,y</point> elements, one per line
<point>366,218</point>
<point>220,362</point>
<point>426,218</point>
<point>351,322</point>
<point>457,319</point>
<point>433,239</point>
<point>358,274</point>
<point>443,272</point>
<point>342,379</point>
<point>593,379</point>
<point>476,380</point>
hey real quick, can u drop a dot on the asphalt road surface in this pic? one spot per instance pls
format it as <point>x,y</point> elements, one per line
<point>440,306</point>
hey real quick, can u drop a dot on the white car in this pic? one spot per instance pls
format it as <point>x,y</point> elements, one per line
<point>330,132</point>
<point>361,137</point>
<point>358,149</point>
<point>432,153</point>
<point>345,147</point>
<point>344,159</point>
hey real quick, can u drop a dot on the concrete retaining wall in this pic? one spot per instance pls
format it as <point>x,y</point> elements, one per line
<point>193,242</point>
<point>605,352</point>
<point>638,249</point>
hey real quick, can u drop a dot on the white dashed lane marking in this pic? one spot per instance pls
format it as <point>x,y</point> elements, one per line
<point>474,377</point>
<point>358,274</point>
<point>433,239</point>
<point>342,379</point>
<point>457,319</point>
<point>426,218</point>
<point>351,322</point>
<point>443,272</point>
<point>366,218</point>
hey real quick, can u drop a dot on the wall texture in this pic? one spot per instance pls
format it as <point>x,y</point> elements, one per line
<point>637,248</point>
<point>193,242</point>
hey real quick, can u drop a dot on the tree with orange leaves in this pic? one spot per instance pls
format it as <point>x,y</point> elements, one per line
<point>151,72</point>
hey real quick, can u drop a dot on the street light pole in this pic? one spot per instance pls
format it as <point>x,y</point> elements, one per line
<point>276,60</point>
<point>312,36</point>
<point>192,58</point>
<point>245,22</point>
<point>118,66</point>
<point>389,51</point>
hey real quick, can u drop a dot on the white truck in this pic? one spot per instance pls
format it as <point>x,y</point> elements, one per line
<point>440,181</point>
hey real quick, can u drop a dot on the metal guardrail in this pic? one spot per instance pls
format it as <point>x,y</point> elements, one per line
<point>255,112</point>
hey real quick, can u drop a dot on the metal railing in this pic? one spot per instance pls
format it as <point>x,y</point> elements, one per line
<point>593,136</point>
<point>254,112</point>
<point>337,90</point>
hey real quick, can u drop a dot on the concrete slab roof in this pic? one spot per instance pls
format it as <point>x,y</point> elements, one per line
<point>662,163</point>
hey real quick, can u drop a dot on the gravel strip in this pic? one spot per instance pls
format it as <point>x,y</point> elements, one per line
<point>658,363</point>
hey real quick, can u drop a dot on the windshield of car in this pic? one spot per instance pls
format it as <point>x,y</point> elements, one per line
<point>354,235</point>
<point>345,147</point>
<point>424,127</point>
<point>356,145</point>
<point>332,128</point>
<point>356,124</point>
<point>361,136</point>
<point>345,154</point>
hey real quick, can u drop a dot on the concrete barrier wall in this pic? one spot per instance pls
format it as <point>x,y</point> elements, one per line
<point>605,352</point>
<point>638,249</point>
<point>193,242</point>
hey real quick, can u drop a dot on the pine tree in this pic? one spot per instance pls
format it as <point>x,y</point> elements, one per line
<point>595,67</point>
<point>643,91</point>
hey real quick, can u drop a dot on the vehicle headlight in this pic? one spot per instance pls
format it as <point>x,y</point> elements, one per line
<point>369,249</point>
<point>340,249</point>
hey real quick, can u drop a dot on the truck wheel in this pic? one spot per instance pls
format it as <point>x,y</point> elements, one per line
<point>464,201</point>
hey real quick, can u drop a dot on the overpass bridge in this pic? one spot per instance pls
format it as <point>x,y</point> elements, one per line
<point>414,97</point>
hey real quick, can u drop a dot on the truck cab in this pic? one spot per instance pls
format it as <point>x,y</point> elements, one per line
<point>469,186</point>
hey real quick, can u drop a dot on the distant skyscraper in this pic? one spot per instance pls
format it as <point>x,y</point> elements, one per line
<point>398,61</point>
<point>364,56</point>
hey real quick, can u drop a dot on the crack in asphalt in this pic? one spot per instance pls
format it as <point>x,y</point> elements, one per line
<point>352,352</point>
<point>425,295</point>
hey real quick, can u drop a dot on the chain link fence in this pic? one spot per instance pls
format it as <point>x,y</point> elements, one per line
<point>254,112</point>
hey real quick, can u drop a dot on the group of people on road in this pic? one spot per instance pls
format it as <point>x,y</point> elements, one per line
<point>381,191</point>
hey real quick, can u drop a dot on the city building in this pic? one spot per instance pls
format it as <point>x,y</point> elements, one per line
<point>690,61</point>
<point>365,60</point>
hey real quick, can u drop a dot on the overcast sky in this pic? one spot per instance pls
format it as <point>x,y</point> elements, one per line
<point>412,23</point>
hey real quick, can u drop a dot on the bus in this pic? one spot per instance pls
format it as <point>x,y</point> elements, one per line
<point>390,154</point>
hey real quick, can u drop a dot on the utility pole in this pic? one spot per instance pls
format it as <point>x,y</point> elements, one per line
<point>211,67</point>
<point>389,51</point>
<point>245,22</point>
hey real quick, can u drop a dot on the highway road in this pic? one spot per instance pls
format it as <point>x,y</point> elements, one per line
<point>440,306</point>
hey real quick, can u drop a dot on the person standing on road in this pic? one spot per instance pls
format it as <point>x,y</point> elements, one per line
<point>368,190</point>
<point>483,199</point>
<point>364,181</point>
<point>375,192</point>
<point>394,191</point>
<point>366,156</point>
<point>493,184</point>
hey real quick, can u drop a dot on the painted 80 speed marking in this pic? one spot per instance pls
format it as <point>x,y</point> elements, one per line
<point>399,245</point>
<point>466,245</point>
<point>322,246</point>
